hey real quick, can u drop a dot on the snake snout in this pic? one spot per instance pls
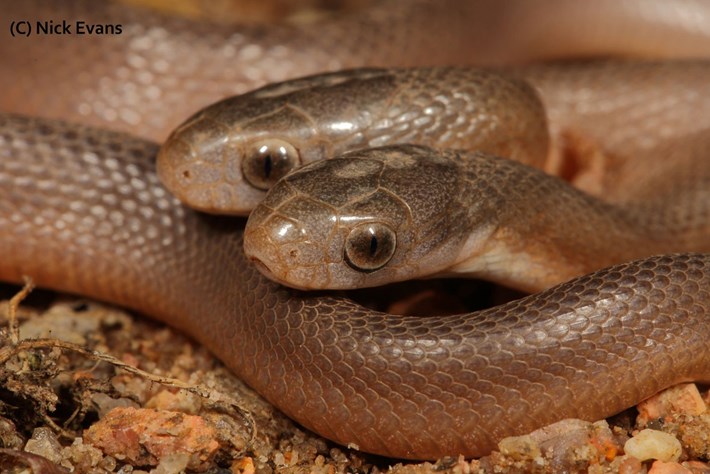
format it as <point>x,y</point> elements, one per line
<point>202,168</point>
<point>280,266</point>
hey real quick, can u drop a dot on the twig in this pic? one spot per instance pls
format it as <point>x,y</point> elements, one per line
<point>13,325</point>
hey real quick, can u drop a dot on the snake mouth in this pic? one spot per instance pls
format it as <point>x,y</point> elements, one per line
<point>269,274</point>
<point>263,268</point>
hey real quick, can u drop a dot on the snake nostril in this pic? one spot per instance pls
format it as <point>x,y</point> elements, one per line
<point>186,174</point>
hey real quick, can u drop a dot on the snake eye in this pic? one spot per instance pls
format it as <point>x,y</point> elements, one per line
<point>267,161</point>
<point>370,246</point>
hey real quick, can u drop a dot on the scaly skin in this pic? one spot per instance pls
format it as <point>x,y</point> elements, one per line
<point>162,69</point>
<point>82,211</point>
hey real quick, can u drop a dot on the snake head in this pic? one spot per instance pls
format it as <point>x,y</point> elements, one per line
<point>222,161</point>
<point>224,158</point>
<point>363,219</point>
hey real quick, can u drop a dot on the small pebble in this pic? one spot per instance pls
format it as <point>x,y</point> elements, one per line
<point>519,447</point>
<point>653,444</point>
<point>45,443</point>
<point>681,399</point>
<point>148,437</point>
<point>660,467</point>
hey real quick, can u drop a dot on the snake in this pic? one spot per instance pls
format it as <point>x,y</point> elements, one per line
<point>225,157</point>
<point>571,120</point>
<point>161,62</point>
<point>88,201</point>
<point>401,386</point>
<point>400,212</point>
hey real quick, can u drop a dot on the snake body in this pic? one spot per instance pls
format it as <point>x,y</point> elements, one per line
<point>405,387</point>
<point>162,69</point>
<point>89,203</point>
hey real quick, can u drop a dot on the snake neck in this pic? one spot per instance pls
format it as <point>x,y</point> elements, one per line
<point>545,231</point>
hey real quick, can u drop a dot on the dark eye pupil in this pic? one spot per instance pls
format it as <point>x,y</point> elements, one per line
<point>266,161</point>
<point>369,246</point>
<point>373,245</point>
<point>268,166</point>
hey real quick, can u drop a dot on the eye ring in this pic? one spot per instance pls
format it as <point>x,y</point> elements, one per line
<point>369,246</point>
<point>267,161</point>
